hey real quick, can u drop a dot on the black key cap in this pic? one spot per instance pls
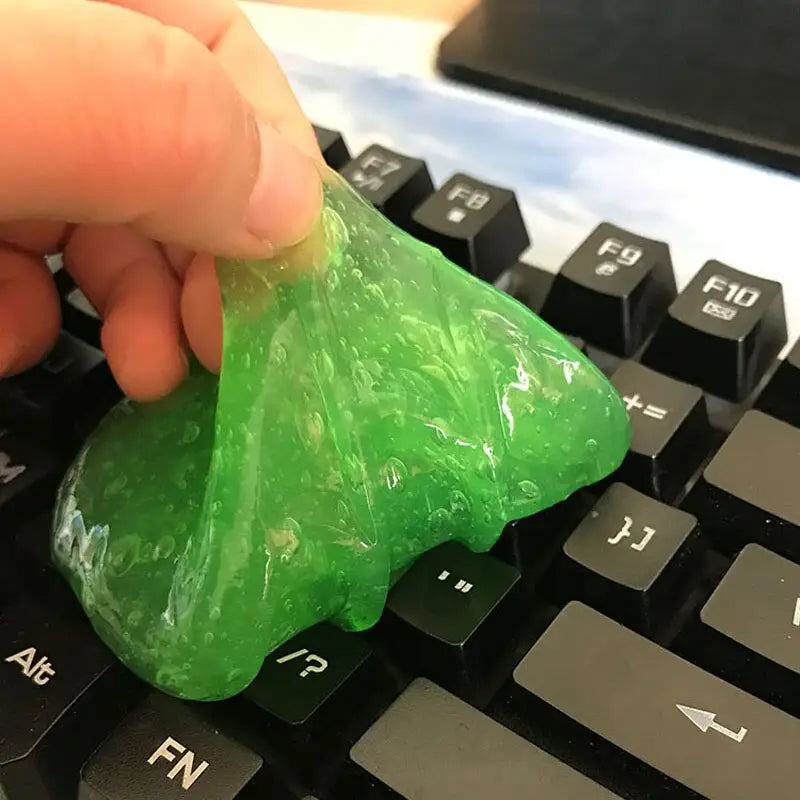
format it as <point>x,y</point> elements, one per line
<point>80,318</point>
<point>613,290</point>
<point>748,492</point>
<point>696,729</point>
<point>475,225</point>
<point>750,627</point>
<point>722,333</point>
<point>532,543</point>
<point>71,388</point>
<point>670,432</point>
<point>333,147</point>
<point>430,744</point>
<point>59,695</point>
<point>629,556</point>
<point>29,475</point>
<point>526,283</point>
<point>781,397</point>
<point>320,690</point>
<point>165,750</point>
<point>449,614</point>
<point>299,677</point>
<point>394,183</point>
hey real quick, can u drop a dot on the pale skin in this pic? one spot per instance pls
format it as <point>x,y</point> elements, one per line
<point>139,137</point>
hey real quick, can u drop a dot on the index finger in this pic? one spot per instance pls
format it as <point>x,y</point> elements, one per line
<point>223,27</point>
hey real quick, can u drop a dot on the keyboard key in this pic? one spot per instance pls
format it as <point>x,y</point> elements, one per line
<point>526,283</point>
<point>781,397</point>
<point>70,389</point>
<point>333,147</point>
<point>29,476</point>
<point>613,290</point>
<point>474,224</point>
<point>312,699</point>
<point>451,614</point>
<point>629,556</point>
<point>748,492</point>
<point>79,318</point>
<point>670,431</point>
<point>394,183</point>
<point>530,544</point>
<point>751,627</point>
<point>430,744</point>
<point>687,724</point>
<point>165,750</point>
<point>722,333</point>
<point>57,699</point>
<point>303,674</point>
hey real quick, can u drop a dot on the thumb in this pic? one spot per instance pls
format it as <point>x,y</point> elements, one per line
<point>112,117</point>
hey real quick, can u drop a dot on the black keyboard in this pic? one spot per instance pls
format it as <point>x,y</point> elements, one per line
<point>639,640</point>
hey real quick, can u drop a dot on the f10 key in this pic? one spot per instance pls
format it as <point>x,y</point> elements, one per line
<point>722,333</point>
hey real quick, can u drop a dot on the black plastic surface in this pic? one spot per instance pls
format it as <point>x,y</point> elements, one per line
<point>714,73</point>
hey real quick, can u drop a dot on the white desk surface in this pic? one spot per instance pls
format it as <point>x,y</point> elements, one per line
<point>373,79</point>
<point>380,43</point>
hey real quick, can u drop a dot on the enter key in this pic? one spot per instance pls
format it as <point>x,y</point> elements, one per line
<point>687,724</point>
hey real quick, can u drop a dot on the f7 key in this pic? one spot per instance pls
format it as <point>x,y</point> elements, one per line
<point>394,183</point>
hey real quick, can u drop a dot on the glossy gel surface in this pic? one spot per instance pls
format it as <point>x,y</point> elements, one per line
<point>375,400</point>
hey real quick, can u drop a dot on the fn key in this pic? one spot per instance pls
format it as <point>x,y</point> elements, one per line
<point>163,750</point>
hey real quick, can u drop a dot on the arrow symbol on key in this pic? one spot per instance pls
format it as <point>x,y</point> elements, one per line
<point>705,720</point>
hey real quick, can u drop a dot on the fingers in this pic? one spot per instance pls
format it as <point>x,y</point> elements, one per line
<point>30,315</point>
<point>127,279</point>
<point>113,117</point>
<point>45,238</point>
<point>201,312</point>
<point>222,27</point>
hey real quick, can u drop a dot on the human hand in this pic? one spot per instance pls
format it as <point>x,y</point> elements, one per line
<point>138,137</point>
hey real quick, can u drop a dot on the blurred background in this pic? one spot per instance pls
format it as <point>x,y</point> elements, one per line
<point>424,9</point>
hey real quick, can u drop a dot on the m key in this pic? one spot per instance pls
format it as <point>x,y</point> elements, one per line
<point>165,750</point>
<point>28,478</point>
<point>703,733</point>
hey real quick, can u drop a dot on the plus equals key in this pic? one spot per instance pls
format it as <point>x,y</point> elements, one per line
<point>670,431</point>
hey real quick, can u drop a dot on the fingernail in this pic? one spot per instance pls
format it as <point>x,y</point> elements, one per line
<point>287,196</point>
